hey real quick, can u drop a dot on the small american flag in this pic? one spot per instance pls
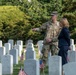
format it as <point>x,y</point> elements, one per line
<point>41,64</point>
<point>21,72</point>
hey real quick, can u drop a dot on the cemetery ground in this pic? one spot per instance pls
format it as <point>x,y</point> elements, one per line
<point>21,63</point>
<point>32,66</point>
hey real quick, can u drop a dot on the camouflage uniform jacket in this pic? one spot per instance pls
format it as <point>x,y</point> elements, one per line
<point>52,31</point>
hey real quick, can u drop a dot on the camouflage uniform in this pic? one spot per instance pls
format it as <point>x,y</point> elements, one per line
<point>52,31</point>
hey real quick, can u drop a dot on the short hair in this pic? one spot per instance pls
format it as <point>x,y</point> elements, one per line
<point>64,22</point>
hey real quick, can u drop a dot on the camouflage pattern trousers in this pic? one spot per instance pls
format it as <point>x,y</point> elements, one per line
<point>49,48</point>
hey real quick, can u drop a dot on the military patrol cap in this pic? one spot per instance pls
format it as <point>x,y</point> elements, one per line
<point>54,13</point>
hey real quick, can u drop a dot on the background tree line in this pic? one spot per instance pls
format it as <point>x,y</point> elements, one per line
<point>18,17</point>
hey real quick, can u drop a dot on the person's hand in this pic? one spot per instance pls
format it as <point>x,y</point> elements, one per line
<point>35,29</point>
<point>48,40</point>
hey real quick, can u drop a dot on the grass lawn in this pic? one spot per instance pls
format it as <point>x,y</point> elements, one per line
<point>17,68</point>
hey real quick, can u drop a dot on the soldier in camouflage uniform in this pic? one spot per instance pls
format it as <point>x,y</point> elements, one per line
<point>52,29</point>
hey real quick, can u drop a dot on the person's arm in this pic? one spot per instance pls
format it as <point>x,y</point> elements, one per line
<point>44,26</point>
<point>41,28</point>
<point>36,29</point>
<point>66,35</point>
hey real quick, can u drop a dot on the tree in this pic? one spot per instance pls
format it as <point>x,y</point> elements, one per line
<point>13,23</point>
<point>69,11</point>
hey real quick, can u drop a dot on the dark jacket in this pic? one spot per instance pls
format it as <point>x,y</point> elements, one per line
<point>64,37</point>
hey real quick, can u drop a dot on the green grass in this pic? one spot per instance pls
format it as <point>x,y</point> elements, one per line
<point>17,68</point>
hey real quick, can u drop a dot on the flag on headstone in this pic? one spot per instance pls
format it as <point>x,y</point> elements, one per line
<point>21,72</point>
<point>41,64</point>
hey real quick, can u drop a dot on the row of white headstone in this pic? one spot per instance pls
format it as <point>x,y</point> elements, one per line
<point>9,54</point>
<point>55,63</point>
<point>40,45</point>
<point>31,64</point>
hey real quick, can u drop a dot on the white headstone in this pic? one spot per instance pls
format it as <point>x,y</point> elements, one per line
<point>7,64</point>
<point>2,52</point>
<point>72,46</point>
<point>29,41</point>
<point>11,42</point>
<point>18,47</point>
<point>31,67</point>
<point>55,65</point>
<point>72,41</point>
<point>71,56</point>
<point>14,53</point>
<point>0,69</point>
<point>40,45</point>
<point>20,42</point>
<point>0,43</point>
<point>70,68</point>
<point>49,56</point>
<point>7,47</point>
<point>30,53</point>
<point>29,46</point>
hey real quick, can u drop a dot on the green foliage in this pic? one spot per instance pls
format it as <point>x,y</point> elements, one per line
<point>10,2</point>
<point>18,17</point>
<point>35,10</point>
<point>69,11</point>
<point>38,15</point>
<point>13,23</point>
<point>69,6</point>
